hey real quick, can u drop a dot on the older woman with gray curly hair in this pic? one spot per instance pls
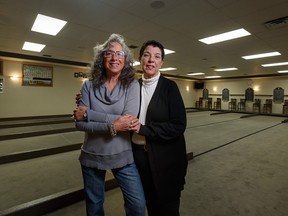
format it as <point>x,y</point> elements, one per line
<point>113,92</point>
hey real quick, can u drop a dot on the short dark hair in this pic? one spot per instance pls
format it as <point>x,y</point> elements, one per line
<point>154,44</point>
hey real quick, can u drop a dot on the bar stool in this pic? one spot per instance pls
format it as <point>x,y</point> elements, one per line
<point>257,105</point>
<point>285,107</point>
<point>232,104</point>
<point>199,104</point>
<point>242,105</point>
<point>267,107</point>
<point>208,103</point>
<point>217,104</point>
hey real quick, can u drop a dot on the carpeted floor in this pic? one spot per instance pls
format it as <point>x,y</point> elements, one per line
<point>240,168</point>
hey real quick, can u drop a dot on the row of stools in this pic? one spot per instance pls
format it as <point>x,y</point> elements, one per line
<point>240,106</point>
<point>267,106</point>
<point>208,103</point>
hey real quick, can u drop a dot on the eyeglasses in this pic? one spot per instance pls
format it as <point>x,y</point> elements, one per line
<point>110,53</point>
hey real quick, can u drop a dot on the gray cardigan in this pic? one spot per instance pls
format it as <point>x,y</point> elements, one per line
<point>101,150</point>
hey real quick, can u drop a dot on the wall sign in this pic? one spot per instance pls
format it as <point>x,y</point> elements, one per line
<point>278,95</point>
<point>205,94</point>
<point>249,94</point>
<point>225,94</point>
<point>37,75</point>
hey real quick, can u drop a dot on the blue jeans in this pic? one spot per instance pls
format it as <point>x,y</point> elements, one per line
<point>129,181</point>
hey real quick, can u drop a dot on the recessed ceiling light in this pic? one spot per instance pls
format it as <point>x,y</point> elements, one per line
<point>262,55</point>
<point>35,47</point>
<point>283,71</point>
<point>226,69</point>
<point>167,51</point>
<point>225,36</point>
<point>209,77</point>
<point>168,69</point>
<point>195,74</point>
<point>274,64</point>
<point>48,25</point>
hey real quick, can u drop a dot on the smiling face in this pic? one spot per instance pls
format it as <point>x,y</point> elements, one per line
<point>151,61</point>
<point>113,60</point>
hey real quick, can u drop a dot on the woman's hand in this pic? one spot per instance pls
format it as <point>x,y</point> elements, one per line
<point>136,128</point>
<point>79,113</point>
<point>125,123</point>
<point>78,98</point>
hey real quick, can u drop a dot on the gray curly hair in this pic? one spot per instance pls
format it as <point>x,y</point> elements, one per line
<point>98,71</point>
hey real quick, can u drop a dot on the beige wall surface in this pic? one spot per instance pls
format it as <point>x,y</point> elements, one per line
<point>263,89</point>
<point>19,101</point>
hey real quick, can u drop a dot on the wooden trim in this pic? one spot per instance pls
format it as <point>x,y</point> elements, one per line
<point>233,95</point>
<point>263,95</point>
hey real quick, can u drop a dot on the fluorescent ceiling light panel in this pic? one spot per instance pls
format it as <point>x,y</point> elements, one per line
<point>48,25</point>
<point>225,36</point>
<point>209,77</point>
<point>283,71</point>
<point>262,55</point>
<point>195,74</point>
<point>168,69</point>
<point>35,47</point>
<point>167,51</point>
<point>226,69</point>
<point>274,64</point>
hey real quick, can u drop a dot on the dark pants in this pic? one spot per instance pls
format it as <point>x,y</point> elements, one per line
<point>155,206</point>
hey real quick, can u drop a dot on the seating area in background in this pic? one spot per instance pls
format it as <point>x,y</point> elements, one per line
<point>254,106</point>
<point>257,106</point>
<point>217,104</point>
<point>267,107</point>
<point>232,105</point>
<point>199,103</point>
<point>208,103</point>
<point>246,104</point>
<point>285,107</point>
<point>242,105</point>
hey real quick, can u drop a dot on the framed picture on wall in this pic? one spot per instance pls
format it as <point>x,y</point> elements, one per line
<point>278,95</point>
<point>37,75</point>
<point>225,94</point>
